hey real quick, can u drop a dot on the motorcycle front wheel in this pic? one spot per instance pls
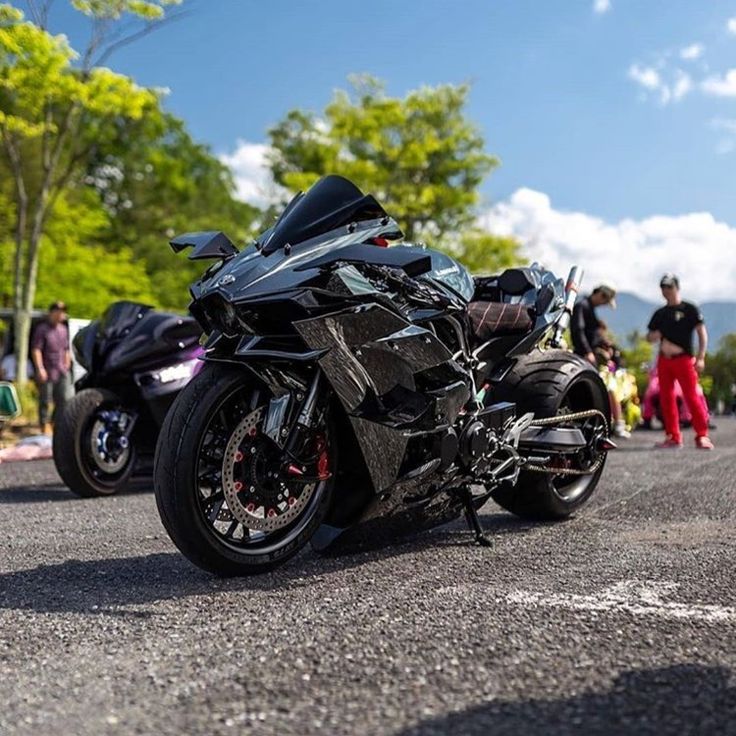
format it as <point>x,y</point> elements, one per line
<point>230,498</point>
<point>92,451</point>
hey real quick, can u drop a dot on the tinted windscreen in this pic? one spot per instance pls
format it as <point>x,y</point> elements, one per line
<point>120,317</point>
<point>329,204</point>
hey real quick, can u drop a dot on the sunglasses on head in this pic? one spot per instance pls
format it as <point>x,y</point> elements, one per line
<point>667,286</point>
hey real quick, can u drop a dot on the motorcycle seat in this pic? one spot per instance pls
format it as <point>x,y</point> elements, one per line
<point>494,319</point>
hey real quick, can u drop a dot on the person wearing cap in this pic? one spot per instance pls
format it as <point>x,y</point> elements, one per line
<point>52,362</point>
<point>672,326</point>
<point>585,327</point>
<point>588,335</point>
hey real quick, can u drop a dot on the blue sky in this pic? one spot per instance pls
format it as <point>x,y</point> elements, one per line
<point>620,115</point>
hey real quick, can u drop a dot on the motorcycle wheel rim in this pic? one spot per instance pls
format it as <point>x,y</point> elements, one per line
<point>224,528</point>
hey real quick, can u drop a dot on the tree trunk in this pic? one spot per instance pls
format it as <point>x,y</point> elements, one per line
<point>24,311</point>
<point>22,328</point>
<point>25,284</point>
<point>21,317</point>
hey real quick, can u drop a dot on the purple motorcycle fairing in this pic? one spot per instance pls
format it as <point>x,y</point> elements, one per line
<point>143,356</point>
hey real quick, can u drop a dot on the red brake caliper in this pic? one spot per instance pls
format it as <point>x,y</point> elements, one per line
<point>323,461</point>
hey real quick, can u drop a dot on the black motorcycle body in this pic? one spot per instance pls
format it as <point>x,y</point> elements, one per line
<point>137,360</point>
<point>384,383</point>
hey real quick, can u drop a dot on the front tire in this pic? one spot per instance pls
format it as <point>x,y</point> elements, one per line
<point>86,474</point>
<point>550,383</point>
<point>194,442</point>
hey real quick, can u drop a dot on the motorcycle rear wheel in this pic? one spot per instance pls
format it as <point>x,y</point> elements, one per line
<point>221,403</point>
<point>551,383</point>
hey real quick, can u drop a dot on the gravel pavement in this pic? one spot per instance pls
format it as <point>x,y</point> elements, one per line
<point>622,620</point>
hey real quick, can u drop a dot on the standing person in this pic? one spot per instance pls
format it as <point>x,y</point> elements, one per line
<point>588,336</point>
<point>52,362</point>
<point>585,326</point>
<point>672,327</point>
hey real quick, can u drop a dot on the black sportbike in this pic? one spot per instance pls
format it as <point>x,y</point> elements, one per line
<point>353,392</point>
<point>137,359</point>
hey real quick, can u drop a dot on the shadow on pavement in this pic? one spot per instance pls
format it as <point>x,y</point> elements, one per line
<point>682,699</point>
<point>107,586</point>
<point>452,534</point>
<point>100,586</point>
<point>35,493</point>
<point>41,493</point>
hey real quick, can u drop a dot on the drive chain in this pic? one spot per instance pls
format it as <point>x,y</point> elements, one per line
<point>546,421</point>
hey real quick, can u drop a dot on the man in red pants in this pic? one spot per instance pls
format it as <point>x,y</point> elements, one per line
<point>672,327</point>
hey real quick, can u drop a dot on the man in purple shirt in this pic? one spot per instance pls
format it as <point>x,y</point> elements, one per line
<point>52,362</point>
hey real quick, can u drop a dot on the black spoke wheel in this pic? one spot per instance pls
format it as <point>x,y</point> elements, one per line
<point>549,384</point>
<point>230,498</point>
<point>93,453</point>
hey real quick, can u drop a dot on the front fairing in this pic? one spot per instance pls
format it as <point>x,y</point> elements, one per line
<point>254,274</point>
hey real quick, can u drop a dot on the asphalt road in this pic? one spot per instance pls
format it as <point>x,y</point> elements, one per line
<point>622,620</point>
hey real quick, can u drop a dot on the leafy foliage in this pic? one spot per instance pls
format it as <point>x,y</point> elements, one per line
<point>115,9</point>
<point>51,114</point>
<point>156,182</point>
<point>94,176</point>
<point>638,356</point>
<point>73,266</point>
<point>418,155</point>
<point>484,253</point>
<point>721,367</point>
<point>42,95</point>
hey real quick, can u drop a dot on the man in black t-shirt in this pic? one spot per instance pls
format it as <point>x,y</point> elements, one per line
<point>672,326</point>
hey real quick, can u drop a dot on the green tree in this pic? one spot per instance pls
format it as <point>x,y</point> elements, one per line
<point>155,182</point>
<point>74,267</point>
<point>52,114</point>
<point>484,253</point>
<point>721,368</point>
<point>638,355</point>
<point>419,155</point>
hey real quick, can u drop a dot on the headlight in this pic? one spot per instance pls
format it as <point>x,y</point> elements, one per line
<point>177,372</point>
<point>226,317</point>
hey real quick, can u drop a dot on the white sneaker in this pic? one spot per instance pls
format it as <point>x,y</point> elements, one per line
<point>619,430</point>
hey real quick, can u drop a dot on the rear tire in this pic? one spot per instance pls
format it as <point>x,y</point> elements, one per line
<point>178,494</point>
<point>71,447</point>
<point>548,383</point>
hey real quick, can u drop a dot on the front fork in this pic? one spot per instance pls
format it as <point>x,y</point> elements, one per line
<point>294,438</point>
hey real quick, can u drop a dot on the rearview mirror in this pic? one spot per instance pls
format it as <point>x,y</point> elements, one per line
<point>9,404</point>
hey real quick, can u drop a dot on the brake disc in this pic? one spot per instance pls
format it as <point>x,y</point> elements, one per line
<point>100,454</point>
<point>245,501</point>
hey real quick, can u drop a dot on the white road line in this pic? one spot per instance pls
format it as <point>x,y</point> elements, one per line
<point>636,597</point>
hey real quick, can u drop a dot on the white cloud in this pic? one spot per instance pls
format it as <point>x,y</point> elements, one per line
<point>647,76</point>
<point>683,84</point>
<point>653,82</point>
<point>727,143</point>
<point>729,125</point>
<point>724,86</point>
<point>731,25</point>
<point>252,175</point>
<point>632,253</point>
<point>601,6</point>
<point>694,51</point>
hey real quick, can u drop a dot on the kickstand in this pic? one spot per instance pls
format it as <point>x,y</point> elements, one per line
<point>471,516</point>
